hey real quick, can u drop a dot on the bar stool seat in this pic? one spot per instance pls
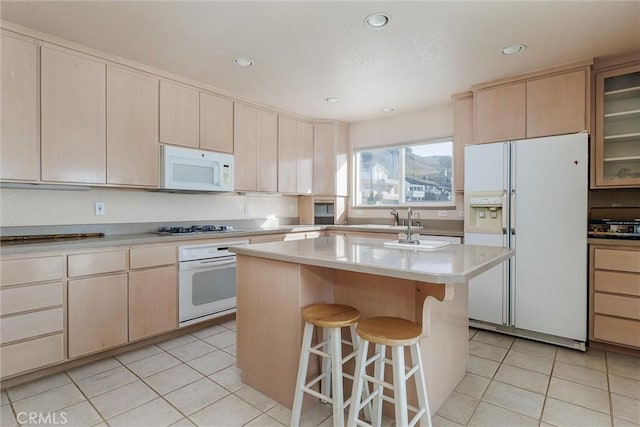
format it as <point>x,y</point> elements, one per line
<point>396,333</point>
<point>332,318</point>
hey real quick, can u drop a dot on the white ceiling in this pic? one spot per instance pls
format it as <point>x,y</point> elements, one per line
<point>306,51</point>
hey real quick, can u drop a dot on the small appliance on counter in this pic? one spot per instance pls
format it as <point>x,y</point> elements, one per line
<point>614,223</point>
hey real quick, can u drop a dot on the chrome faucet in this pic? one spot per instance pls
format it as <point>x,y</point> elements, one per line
<point>409,238</point>
<point>396,219</point>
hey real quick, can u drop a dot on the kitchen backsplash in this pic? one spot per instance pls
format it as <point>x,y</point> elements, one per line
<point>20,207</point>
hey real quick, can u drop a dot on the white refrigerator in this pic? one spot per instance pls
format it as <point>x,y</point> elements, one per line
<point>530,195</point>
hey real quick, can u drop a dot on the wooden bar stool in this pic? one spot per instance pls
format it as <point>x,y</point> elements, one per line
<point>396,333</point>
<point>331,317</point>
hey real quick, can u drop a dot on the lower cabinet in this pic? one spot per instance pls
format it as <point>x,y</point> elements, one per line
<point>97,314</point>
<point>153,302</point>
<point>615,295</point>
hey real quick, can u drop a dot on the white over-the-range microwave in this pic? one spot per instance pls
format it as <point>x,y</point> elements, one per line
<point>196,170</point>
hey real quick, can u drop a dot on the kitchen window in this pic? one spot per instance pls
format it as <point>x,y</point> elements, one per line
<point>417,173</point>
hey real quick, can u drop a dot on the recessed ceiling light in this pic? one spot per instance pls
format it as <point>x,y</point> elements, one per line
<point>243,62</point>
<point>387,110</point>
<point>377,20</point>
<point>332,100</point>
<point>514,49</point>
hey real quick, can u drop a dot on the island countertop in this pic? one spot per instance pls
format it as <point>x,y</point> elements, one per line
<point>450,264</point>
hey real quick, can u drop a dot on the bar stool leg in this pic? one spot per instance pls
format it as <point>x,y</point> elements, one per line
<point>355,343</point>
<point>423,399</point>
<point>302,375</point>
<point>336,374</point>
<point>325,383</point>
<point>378,373</point>
<point>356,391</point>
<point>399,385</point>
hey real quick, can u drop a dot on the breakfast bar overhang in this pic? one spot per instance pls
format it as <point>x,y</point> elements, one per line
<point>276,280</point>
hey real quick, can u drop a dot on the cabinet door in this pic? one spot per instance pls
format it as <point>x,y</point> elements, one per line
<point>267,168</point>
<point>73,104</point>
<point>324,158</point>
<point>245,142</point>
<point>153,302</point>
<point>179,115</point>
<point>462,135</point>
<point>342,161</point>
<point>500,113</point>
<point>304,167</point>
<point>132,128</point>
<point>97,318</point>
<point>557,105</point>
<point>19,155</point>
<point>287,155</point>
<point>216,123</point>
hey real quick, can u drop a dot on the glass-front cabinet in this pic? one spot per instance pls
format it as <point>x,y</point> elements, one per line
<point>617,142</point>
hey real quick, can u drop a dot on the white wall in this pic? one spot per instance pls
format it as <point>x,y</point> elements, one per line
<point>20,207</point>
<point>430,123</point>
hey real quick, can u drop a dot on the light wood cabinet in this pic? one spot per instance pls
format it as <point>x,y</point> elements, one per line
<point>153,302</point>
<point>255,135</point>
<point>304,162</point>
<point>287,155</point>
<point>97,263</point>
<point>543,103</point>
<point>342,161</point>
<point>616,154</point>
<point>500,113</point>
<point>19,144</point>
<point>32,314</point>
<point>615,295</point>
<point>324,158</point>
<point>97,314</point>
<point>462,135</point>
<point>73,125</point>
<point>557,105</point>
<point>132,128</point>
<point>216,123</point>
<point>179,115</point>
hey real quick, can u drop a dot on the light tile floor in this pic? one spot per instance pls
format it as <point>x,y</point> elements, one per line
<point>193,380</point>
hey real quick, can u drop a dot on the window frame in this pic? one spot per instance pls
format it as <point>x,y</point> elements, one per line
<point>440,204</point>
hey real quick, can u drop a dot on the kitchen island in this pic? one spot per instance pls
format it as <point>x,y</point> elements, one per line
<point>276,280</point>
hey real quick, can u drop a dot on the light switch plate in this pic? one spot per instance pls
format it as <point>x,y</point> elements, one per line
<point>100,208</point>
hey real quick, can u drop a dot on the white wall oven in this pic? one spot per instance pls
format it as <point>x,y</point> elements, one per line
<point>207,281</point>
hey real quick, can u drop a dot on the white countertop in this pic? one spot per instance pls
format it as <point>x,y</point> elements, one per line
<point>451,264</point>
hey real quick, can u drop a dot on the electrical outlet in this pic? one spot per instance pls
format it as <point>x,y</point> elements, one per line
<point>443,213</point>
<point>100,208</point>
<point>247,209</point>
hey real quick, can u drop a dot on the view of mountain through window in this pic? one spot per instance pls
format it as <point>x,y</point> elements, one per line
<point>420,173</point>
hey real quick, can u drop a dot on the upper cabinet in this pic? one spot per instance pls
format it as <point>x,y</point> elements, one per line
<point>500,113</point>
<point>179,115</point>
<point>132,128</point>
<point>617,143</point>
<point>19,145</point>
<point>462,135</point>
<point>73,108</point>
<point>548,103</point>
<point>287,155</point>
<point>330,159</point>
<point>256,136</point>
<point>216,123</point>
<point>304,165</point>
<point>195,119</point>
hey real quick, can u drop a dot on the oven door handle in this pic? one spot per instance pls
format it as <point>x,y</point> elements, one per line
<point>206,264</point>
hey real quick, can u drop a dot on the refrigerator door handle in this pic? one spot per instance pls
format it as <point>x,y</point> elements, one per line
<point>505,294</point>
<point>504,213</point>
<point>512,212</point>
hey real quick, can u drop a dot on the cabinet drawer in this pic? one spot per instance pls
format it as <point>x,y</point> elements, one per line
<point>620,331</point>
<point>31,270</point>
<point>97,263</point>
<point>616,305</point>
<point>619,283</point>
<point>28,355</point>
<point>29,325</point>
<point>152,257</point>
<point>15,300</point>
<point>618,259</point>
